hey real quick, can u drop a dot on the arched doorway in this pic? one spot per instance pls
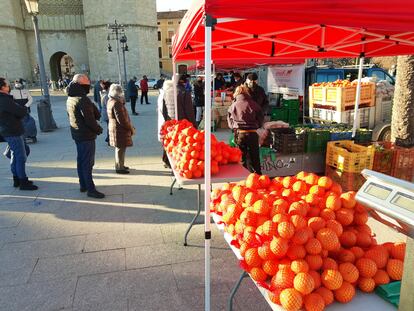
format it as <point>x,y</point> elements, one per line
<point>61,66</point>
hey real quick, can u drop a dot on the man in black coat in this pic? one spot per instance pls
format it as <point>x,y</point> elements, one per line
<point>11,129</point>
<point>132,92</point>
<point>84,127</point>
<point>257,93</point>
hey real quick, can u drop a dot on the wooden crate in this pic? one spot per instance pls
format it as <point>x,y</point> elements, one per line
<point>341,98</point>
<point>348,181</point>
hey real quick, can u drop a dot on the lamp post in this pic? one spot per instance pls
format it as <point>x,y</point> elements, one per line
<point>124,48</point>
<point>117,33</point>
<point>46,121</point>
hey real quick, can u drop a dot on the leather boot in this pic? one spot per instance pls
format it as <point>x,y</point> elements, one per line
<point>25,184</point>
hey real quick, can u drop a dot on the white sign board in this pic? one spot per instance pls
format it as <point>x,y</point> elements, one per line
<point>286,79</point>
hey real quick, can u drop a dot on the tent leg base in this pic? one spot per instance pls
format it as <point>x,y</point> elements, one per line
<point>234,291</point>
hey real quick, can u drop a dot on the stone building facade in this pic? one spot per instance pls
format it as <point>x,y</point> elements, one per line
<point>74,38</point>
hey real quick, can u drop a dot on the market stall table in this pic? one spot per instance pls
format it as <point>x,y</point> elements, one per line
<point>360,301</point>
<point>227,173</point>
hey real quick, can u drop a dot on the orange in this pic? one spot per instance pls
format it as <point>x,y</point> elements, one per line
<point>264,181</point>
<point>325,182</point>
<point>278,218</point>
<point>299,187</point>
<point>252,258</point>
<point>250,198</point>
<point>258,274</point>
<point>348,199</point>
<point>367,267</point>
<point>360,218</point>
<point>349,272</point>
<point>348,239</point>
<point>312,179</point>
<point>313,211</point>
<point>333,202</point>
<point>345,216</point>
<point>261,207</point>
<point>315,262</point>
<point>269,228</point>
<point>317,190</point>
<point>328,239</point>
<point>248,218</point>
<point>313,199</point>
<point>316,223</point>
<point>279,206</point>
<point>335,226</point>
<point>316,278</point>
<point>336,188</point>
<point>381,277</point>
<point>366,285</point>
<point>270,267</point>
<point>398,251</point>
<point>298,208</point>
<point>332,279</point>
<point>363,239</point>
<point>301,175</point>
<point>243,248</point>
<point>291,299</point>
<point>327,214</point>
<point>252,181</point>
<point>313,246</point>
<point>299,265</point>
<point>265,252</point>
<point>298,221</point>
<point>279,246</point>
<point>274,295</point>
<point>239,193</point>
<point>301,236</point>
<point>329,264</point>
<point>379,254</point>
<point>286,229</point>
<point>296,252</point>
<point>288,181</point>
<point>304,283</point>
<point>358,252</point>
<point>345,255</point>
<point>345,293</point>
<point>289,194</point>
<point>395,269</point>
<point>283,278</point>
<point>326,294</point>
<point>314,302</point>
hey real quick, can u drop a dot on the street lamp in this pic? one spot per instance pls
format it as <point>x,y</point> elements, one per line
<point>117,33</point>
<point>46,121</point>
<point>124,48</point>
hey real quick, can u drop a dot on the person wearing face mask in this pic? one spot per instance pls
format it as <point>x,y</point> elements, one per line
<point>257,93</point>
<point>84,127</point>
<point>11,129</point>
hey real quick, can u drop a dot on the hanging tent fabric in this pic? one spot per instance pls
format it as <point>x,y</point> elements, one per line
<point>222,29</point>
<point>230,64</point>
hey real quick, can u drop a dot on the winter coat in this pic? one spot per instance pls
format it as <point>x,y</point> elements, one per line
<point>199,94</point>
<point>143,84</point>
<point>185,107</point>
<point>83,114</point>
<point>258,94</point>
<point>245,114</point>
<point>120,126</point>
<point>11,115</point>
<point>22,97</point>
<point>96,90</point>
<point>132,90</point>
<point>104,102</point>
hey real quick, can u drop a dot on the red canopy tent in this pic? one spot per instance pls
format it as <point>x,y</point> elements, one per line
<point>223,29</point>
<point>231,64</point>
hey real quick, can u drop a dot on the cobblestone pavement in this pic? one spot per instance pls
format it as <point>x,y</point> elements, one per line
<point>60,250</point>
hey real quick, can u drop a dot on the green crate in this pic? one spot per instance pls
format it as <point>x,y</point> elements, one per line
<point>317,140</point>
<point>363,136</point>
<point>293,117</point>
<point>279,114</point>
<point>291,104</point>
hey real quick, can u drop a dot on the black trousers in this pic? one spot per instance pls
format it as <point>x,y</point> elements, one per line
<point>144,94</point>
<point>133,103</point>
<point>248,143</point>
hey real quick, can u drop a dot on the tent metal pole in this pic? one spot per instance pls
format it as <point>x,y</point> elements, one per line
<point>207,161</point>
<point>175,81</point>
<point>358,98</point>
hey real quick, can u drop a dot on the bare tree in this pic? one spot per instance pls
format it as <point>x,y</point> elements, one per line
<point>402,123</point>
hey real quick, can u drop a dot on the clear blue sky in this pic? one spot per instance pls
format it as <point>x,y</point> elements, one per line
<point>172,5</point>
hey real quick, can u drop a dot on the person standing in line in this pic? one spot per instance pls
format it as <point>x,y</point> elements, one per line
<point>132,93</point>
<point>244,117</point>
<point>237,80</point>
<point>219,82</point>
<point>199,98</point>
<point>11,129</point>
<point>84,127</point>
<point>97,88</point>
<point>160,83</point>
<point>120,127</point>
<point>257,93</point>
<point>143,84</point>
<point>104,102</point>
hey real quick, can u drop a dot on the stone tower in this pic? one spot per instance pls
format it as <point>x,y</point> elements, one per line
<point>140,17</point>
<point>14,60</point>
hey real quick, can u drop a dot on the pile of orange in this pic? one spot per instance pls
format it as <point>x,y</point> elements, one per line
<point>305,240</point>
<point>185,144</point>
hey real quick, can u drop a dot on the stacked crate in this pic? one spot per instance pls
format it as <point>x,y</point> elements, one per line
<point>287,112</point>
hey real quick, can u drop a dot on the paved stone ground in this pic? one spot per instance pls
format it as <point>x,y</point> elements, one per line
<point>60,250</point>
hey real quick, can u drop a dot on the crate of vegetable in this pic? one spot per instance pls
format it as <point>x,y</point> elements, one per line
<point>363,135</point>
<point>383,158</point>
<point>316,139</point>
<point>340,133</point>
<point>348,181</point>
<point>349,157</point>
<point>403,163</point>
<point>288,141</point>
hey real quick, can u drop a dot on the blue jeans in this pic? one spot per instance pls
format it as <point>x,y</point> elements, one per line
<point>18,156</point>
<point>85,163</point>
